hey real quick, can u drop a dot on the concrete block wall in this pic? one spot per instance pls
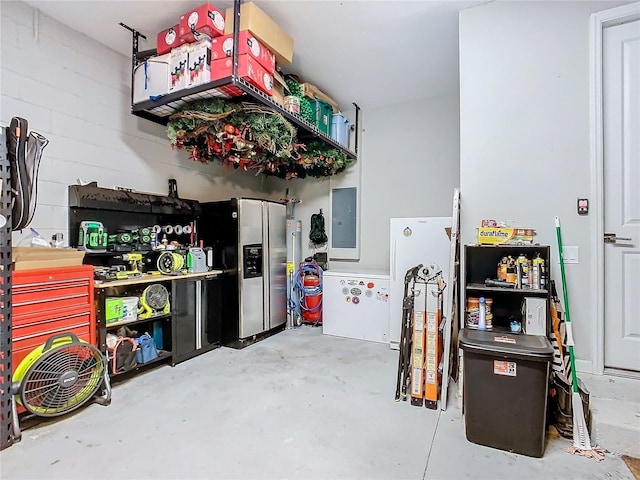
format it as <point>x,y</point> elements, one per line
<point>76,92</point>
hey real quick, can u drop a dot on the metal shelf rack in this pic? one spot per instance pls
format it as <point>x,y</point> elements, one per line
<point>6,438</point>
<point>161,109</point>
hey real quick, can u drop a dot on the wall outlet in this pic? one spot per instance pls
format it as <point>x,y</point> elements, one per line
<point>570,254</point>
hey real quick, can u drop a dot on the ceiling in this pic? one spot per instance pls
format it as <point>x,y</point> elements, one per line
<point>374,53</point>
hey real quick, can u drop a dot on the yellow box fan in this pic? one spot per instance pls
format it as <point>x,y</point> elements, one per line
<point>154,301</point>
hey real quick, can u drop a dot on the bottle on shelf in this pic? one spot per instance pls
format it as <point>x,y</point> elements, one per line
<point>482,314</point>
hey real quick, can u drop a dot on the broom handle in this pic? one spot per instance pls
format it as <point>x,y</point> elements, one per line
<point>565,295</point>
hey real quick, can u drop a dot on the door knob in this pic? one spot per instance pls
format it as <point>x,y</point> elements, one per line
<point>613,238</point>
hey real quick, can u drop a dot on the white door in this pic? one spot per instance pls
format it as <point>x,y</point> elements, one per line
<point>621,120</point>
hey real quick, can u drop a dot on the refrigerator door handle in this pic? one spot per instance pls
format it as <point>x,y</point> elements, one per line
<point>393,261</point>
<point>266,268</point>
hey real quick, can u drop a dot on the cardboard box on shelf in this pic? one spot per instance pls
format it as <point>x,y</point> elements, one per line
<point>222,47</point>
<point>501,236</point>
<point>178,72</point>
<point>167,39</point>
<point>199,63</point>
<point>31,258</point>
<point>311,91</point>
<point>206,20</point>
<point>279,88</point>
<point>151,78</point>
<point>248,68</point>
<point>265,30</point>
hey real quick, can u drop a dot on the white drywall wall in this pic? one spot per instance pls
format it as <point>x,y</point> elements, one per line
<point>76,92</point>
<point>409,167</point>
<point>524,130</point>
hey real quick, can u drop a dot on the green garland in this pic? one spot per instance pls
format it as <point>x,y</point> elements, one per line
<point>251,137</point>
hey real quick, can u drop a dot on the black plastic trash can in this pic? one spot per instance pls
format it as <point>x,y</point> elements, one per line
<point>505,385</point>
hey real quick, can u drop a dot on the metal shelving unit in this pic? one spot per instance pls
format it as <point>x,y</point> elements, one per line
<point>5,294</point>
<point>161,109</point>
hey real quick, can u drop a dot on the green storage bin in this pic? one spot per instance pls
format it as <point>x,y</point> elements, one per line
<point>323,113</point>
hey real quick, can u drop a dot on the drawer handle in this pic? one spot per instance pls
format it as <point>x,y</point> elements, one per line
<point>84,281</point>
<point>47,300</point>
<point>57,330</point>
<point>42,322</point>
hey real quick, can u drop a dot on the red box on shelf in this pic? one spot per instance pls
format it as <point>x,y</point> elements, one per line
<point>204,20</point>
<point>222,47</point>
<point>248,69</point>
<point>167,39</point>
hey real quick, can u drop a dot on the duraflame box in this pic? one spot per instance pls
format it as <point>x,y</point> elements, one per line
<point>206,20</point>
<point>248,68</point>
<point>167,39</point>
<point>265,30</point>
<point>499,236</point>
<point>199,63</point>
<point>222,47</point>
<point>151,78</point>
<point>178,71</point>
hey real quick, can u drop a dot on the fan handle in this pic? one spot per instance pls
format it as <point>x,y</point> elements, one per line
<point>53,338</point>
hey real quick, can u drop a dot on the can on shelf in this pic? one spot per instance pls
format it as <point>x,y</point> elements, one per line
<point>512,271</point>
<point>523,271</point>
<point>292,104</point>
<point>473,312</point>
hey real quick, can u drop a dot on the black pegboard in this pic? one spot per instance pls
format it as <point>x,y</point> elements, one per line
<point>5,296</point>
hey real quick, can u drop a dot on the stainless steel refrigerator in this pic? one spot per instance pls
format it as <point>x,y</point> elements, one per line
<point>247,237</point>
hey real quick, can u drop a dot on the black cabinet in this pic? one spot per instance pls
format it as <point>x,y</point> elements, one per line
<point>481,263</point>
<point>196,316</point>
<point>189,326</point>
<point>158,324</point>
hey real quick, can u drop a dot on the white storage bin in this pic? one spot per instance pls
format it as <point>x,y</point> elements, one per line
<point>151,78</point>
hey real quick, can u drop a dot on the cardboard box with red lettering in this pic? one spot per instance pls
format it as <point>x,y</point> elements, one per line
<point>248,69</point>
<point>178,71</point>
<point>199,63</point>
<point>206,20</point>
<point>222,47</point>
<point>167,39</point>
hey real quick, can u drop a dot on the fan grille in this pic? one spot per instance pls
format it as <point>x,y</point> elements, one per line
<point>62,379</point>
<point>156,296</point>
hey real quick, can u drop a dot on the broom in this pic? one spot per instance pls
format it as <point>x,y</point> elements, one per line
<point>581,440</point>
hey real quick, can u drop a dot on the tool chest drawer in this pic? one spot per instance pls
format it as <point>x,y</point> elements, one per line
<point>48,289</point>
<point>29,331</point>
<point>50,301</point>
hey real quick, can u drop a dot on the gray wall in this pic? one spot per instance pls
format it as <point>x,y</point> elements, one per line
<point>524,130</point>
<point>409,168</point>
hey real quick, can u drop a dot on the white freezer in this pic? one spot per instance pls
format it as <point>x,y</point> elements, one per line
<point>414,241</point>
<point>356,305</point>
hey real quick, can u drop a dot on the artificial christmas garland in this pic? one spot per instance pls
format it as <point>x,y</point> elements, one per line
<point>251,137</point>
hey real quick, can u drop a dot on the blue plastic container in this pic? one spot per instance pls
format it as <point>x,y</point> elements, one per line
<point>340,129</point>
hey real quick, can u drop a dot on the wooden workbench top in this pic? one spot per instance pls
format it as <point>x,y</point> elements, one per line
<point>153,277</point>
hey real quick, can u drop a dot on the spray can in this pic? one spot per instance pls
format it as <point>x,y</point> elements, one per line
<point>512,273</point>
<point>536,268</point>
<point>502,269</point>
<point>523,271</point>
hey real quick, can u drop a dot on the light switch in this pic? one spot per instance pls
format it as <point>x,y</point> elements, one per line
<point>570,254</point>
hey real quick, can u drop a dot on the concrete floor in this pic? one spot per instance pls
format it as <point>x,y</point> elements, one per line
<point>297,405</point>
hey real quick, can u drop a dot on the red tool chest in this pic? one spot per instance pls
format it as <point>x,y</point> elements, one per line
<point>50,301</point>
